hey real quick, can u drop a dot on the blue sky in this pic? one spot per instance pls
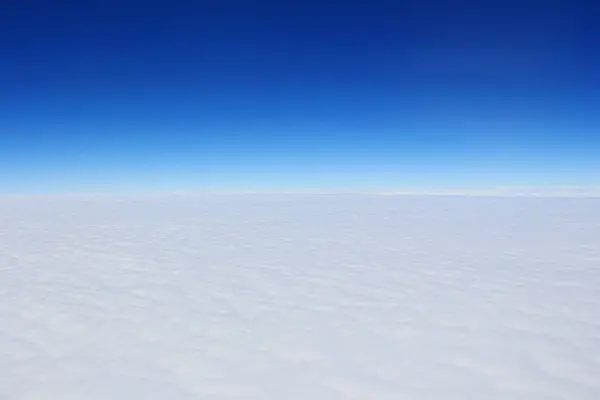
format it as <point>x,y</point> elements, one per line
<point>120,96</point>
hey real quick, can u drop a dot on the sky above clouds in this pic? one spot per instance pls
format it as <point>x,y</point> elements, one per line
<point>113,96</point>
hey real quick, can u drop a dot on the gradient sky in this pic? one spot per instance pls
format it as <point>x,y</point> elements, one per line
<point>179,95</point>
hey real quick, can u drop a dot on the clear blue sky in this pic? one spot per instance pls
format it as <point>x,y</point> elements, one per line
<point>168,95</point>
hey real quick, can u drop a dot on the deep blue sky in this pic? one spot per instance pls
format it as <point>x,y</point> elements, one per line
<point>169,95</point>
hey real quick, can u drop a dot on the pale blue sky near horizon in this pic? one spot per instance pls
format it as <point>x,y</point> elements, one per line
<point>115,97</point>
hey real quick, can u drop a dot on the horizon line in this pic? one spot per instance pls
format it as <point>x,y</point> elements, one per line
<point>500,191</point>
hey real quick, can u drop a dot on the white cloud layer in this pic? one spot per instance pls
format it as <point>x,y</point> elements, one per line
<point>299,297</point>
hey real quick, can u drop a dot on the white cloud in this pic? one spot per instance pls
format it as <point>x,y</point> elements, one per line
<point>299,296</point>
